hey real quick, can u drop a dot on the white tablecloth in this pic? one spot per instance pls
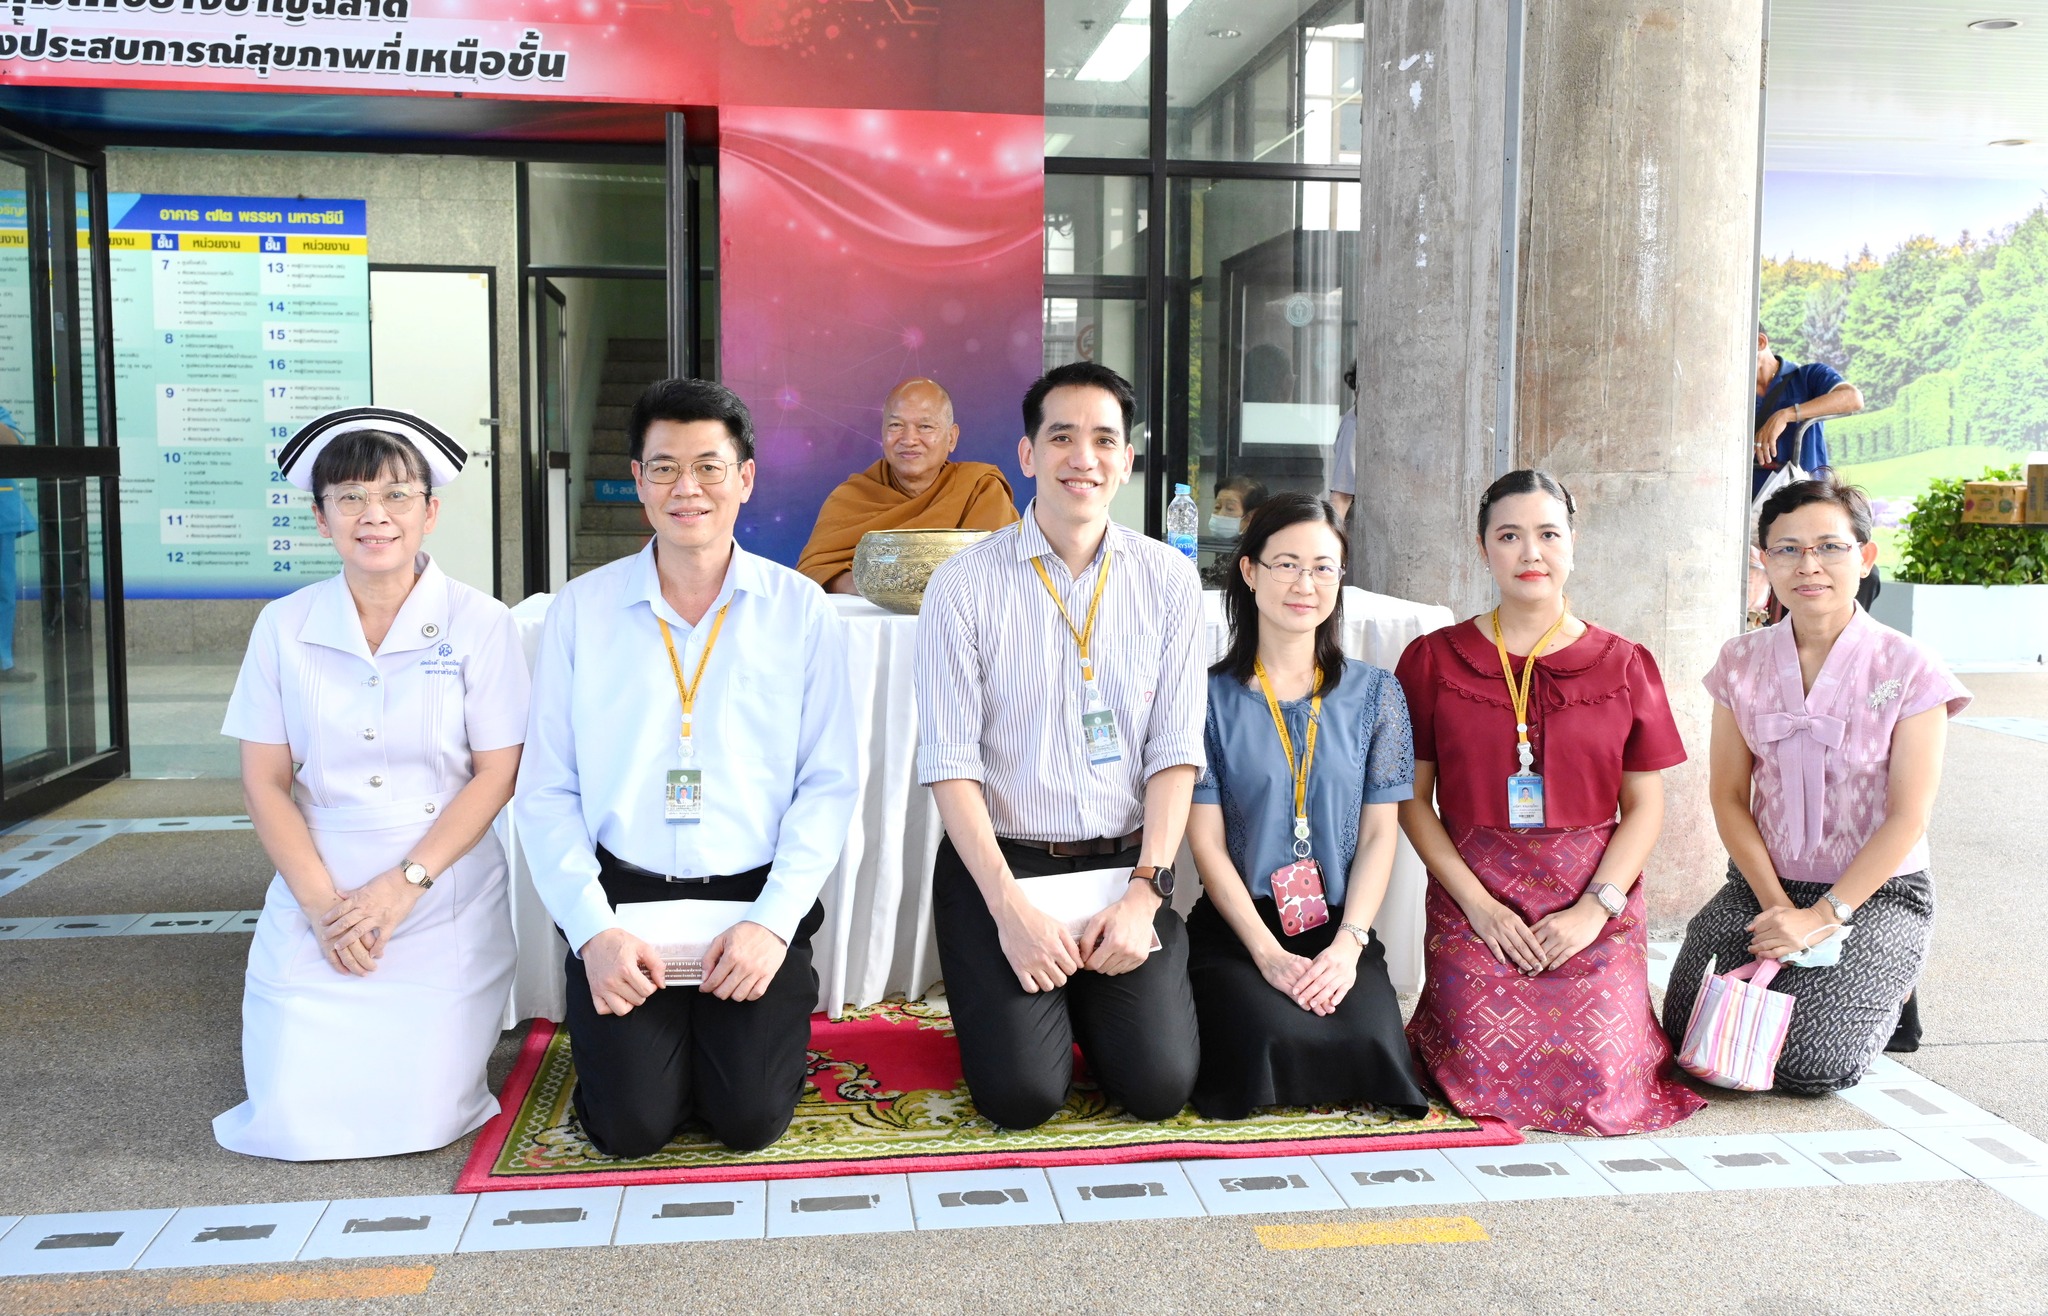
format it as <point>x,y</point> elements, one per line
<point>877,940</point>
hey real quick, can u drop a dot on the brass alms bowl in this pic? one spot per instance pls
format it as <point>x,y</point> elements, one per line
<point>892,567</point>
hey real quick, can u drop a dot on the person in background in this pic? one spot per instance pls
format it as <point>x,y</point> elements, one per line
<point>16,520</point>
<point>380,713</point>
<point>915,486</point>
<point>1538,795</point>
<point>692,739</point>
<point>1344,451</point>
<point>1828,735</point>
<point>1059,725</point>
<point>1787,397</point>
<point>1293,831</point>
<point>1236,498</point>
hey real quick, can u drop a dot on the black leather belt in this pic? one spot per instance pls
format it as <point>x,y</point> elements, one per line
<point>1080,849</point>
<point>606,858</point>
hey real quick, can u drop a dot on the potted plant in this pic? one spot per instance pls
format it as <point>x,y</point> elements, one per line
<point>1975,594</point>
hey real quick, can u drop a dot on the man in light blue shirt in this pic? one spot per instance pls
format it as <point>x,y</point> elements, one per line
<point>691,738</point>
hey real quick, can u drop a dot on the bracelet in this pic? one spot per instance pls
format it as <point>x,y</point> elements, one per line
<point>1364,935</point>
<point>1795,411</point>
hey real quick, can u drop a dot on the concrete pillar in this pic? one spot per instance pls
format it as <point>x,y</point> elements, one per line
<point>1635,140</point>
<point>1634,332</point>
<point>1429,306</point>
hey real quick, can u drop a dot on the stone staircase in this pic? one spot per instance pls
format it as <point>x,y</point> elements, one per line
<point>608,531</point>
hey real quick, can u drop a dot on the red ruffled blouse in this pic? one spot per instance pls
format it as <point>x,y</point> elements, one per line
<point>1597,709</point>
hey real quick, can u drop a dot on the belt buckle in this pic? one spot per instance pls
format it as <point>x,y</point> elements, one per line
<point>679,881</point>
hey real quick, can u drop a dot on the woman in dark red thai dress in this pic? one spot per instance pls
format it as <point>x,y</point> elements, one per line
<point>1547,800</point>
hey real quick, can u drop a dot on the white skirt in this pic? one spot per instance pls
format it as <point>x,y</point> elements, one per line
<point>341,1066</point>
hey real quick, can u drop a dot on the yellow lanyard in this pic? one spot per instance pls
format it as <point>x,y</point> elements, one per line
<point>689,692</point>
<point>1308,751</point>
<point>1082,634</point>
<point>1519,695</point>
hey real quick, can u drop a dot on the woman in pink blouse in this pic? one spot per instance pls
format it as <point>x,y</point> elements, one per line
<point>1827,744</point>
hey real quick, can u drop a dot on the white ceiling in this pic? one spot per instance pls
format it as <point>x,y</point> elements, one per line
<point>1906,87</point>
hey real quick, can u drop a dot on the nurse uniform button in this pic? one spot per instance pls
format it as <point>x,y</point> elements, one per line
<point>430,630</point>
<point>376,781</point>
<point>430,806</point>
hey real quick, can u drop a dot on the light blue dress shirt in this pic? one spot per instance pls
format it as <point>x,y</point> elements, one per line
<point>1365,754</point>
<point>774,733</point>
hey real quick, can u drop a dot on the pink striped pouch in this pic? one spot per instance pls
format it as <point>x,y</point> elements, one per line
<point>1737,1028</point>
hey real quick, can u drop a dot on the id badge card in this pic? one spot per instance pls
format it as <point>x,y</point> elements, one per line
<point>682,796</point>
<point>1525,800</point>
<point>1099,734</point>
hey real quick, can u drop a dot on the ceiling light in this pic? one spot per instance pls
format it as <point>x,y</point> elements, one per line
<point>2013,141</point>
<point>1994,25</point>
<point>1124,47</point>
<point>1225,33</point>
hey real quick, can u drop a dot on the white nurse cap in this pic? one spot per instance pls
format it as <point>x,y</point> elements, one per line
<point>444,456</point>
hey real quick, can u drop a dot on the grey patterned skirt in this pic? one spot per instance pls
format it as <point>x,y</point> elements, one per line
<point>1846,1013</point>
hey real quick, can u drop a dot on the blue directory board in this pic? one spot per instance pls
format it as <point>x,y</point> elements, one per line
<point>236,320</point>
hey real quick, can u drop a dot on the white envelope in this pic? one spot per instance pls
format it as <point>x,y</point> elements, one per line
<point>681,932</point>
<point>1074,898</point>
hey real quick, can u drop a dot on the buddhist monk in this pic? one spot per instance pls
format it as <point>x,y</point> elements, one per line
<point>916,486</point>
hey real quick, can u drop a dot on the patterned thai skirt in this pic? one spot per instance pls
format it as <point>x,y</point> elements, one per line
<point>1575,1049</point>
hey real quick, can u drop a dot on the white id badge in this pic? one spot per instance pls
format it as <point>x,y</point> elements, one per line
<point>1525,800</point>
<point>1099,734</point>
<point>682,796</point>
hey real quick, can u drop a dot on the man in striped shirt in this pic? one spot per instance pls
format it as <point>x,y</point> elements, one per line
<point>1060,705</point>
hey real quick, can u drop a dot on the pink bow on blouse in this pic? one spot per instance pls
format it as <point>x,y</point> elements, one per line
<point>1804,760</point>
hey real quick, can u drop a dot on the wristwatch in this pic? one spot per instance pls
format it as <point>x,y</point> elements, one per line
<point>1844,915</point>
<point>1363,935</point>
<point>1611,899</point>
<point>416,873</point>
<point>1160,877</point>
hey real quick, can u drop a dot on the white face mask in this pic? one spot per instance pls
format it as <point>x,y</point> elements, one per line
<point>1224,527</point>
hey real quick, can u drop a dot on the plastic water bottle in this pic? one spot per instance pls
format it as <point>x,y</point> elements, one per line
<point>1183,518</point>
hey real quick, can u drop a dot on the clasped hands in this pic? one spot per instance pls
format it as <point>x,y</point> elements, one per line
<point>624,971</point>
<point>354,930</point>
<point>1543,945</point>
<point>1317,985</point>
<point>1785,930</point>
<point>1043,954</point>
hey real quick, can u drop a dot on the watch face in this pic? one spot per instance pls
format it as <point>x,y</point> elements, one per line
<point>1162,882</point>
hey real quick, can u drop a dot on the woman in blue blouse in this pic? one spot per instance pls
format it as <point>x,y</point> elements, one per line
<point>1293,832</point>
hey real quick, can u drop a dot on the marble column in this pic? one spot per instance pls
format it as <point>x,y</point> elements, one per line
<point>1633,195</point>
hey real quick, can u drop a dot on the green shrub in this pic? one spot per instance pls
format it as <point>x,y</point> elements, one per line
<point>1939,549</point>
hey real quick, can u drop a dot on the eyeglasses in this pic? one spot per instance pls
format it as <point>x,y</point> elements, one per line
<point>1831,552</point>
<point>354,502</point>
<point>1323,575</point>
<point>705,470</point>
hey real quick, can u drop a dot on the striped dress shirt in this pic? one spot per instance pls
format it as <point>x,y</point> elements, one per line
<point>999,689</point>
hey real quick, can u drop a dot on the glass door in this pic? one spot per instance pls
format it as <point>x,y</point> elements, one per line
<point>63,695</point>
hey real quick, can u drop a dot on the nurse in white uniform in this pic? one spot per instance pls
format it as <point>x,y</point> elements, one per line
<point>381,714</point>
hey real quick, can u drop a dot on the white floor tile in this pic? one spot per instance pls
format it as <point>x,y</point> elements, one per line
<point>229,822</point>
<point>1745,1160</point>
<point>1916,1104</point>
<point>1396,1178</point>
<point>1257,1185</point>
<point>1146,1190</point>
<point>243,922</point>
<point>977,1199</point>
<point>2030,1193</point>
<point>692,1212</point>
<point>390,1227</point>
<point>79,1241</point>
<point>84,925</point>
<point>1662,956</point>
<point>12,928</point>
<point>541,1217</point>
<point>1639,1165</point>
<point>1884,1067</point>
<point>159,925</point>
<point>1528,1172</point>
<point>1862,1156</point>
<point>233,1235</point>
<point>848,1204</point>
<point>1988,1151</point>
<point>7,1222</point>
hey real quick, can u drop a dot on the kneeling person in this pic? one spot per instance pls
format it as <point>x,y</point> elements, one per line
<point>747,660</point>
<point>1059,698</point>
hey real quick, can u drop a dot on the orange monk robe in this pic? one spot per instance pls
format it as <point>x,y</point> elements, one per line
<point>966,496</point>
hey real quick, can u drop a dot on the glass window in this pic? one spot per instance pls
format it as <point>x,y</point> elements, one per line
<point>1098,76</point>
<point>1096,230</point>
<point>1095,225</point>
<point>1265,289</point>
<point>1275,81</point>
<point>600,214</point>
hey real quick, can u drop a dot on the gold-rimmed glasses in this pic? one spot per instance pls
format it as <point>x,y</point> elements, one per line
<point>354,502</point>
<point>704,470</point>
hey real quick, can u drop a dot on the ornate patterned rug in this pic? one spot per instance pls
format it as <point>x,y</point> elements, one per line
<point>884,1095</point>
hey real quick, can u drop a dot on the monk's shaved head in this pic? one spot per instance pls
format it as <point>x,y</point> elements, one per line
<point>918,433</point>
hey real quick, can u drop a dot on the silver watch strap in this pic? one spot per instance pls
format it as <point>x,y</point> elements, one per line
<point>1843,914</point>
<point>1364,935</point>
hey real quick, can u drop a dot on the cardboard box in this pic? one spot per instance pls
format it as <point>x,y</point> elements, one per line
<point>2037,494</point>
<point>1995,502</point>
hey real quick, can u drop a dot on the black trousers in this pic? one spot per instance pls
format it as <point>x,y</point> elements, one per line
<point>738,1066</point>
<point>1137,1029</point>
